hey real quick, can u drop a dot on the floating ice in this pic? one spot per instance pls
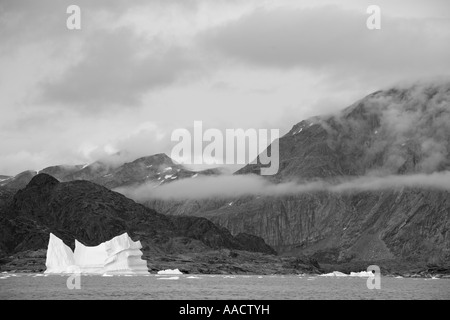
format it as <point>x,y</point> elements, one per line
<point>334,274</point>
<point>362,274</point>
<point>120,255</point>
<point>169,278</point>
<point>90,259</point>
<point>59,256</point>
<point>170,271</point>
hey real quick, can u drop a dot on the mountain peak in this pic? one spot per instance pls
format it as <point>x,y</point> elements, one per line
<point>42,179</point>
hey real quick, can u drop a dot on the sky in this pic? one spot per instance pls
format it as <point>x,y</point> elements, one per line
<point>137,70</point>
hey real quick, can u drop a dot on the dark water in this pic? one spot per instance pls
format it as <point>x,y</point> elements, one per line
<point>31,286</point>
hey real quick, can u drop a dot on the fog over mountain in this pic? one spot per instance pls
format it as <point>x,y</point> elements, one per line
<point>390,139</point>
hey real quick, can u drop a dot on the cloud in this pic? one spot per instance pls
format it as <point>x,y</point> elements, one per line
<point>334,41</point>
<point>405,126</point>
<point>225,187</point>
<point>157,60</point>
<point>116,69</point>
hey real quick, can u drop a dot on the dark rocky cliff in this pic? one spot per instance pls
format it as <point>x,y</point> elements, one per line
<point>93,214</point>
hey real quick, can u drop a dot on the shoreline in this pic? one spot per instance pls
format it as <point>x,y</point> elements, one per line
<point>14,273</point>
<point>232,262</point>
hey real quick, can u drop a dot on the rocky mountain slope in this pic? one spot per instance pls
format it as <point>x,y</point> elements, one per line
<point>94,214</point>
<point>392,133</point>
<point>158,169</point>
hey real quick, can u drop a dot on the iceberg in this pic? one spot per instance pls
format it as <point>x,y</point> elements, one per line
<point>120,255</point>
<point>362,274</point>
<point>334,274</point>
<point>90,259</point>
<point>60,258</point>
<point>170,271</point>
<point>169,278</point>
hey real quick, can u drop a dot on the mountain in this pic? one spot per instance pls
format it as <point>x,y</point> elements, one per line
<point>158,169</point>
<point>61,171</point>
<point>397,131</point>
<point>390,133</point>
<point>4,178</point>
<point>22,179</point>
<point>93,214</point>
<point>19,181</point>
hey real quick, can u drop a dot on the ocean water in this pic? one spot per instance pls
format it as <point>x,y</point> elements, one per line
<point>222,287</point>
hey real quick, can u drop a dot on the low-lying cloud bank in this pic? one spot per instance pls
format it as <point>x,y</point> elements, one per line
<point>247,185</point>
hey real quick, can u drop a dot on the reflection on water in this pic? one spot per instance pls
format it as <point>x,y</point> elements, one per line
<point>38,286</point>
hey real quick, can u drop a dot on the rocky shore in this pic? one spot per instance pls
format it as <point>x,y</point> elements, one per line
<point>241,262</point>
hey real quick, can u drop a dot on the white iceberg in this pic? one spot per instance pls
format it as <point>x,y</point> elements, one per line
<point>170,271</point>
<point>362,274</point>
<point>120,255</point>
<point>60,257</point>
<point>169,278</point>
<point>334,274</point>
<point>90,259</point>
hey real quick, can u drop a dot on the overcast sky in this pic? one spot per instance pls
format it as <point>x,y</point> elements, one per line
<point>139,69</point>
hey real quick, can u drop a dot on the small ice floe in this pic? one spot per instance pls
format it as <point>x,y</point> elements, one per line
<point>107,275</point>
<point>170,271</point>
<point>169,278</point>
<point>334,274</point>
<point>362,274</point>
<point>192,277</point>
<point>398,277</point>
<point>260,277</point>
<point>194,175</point>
